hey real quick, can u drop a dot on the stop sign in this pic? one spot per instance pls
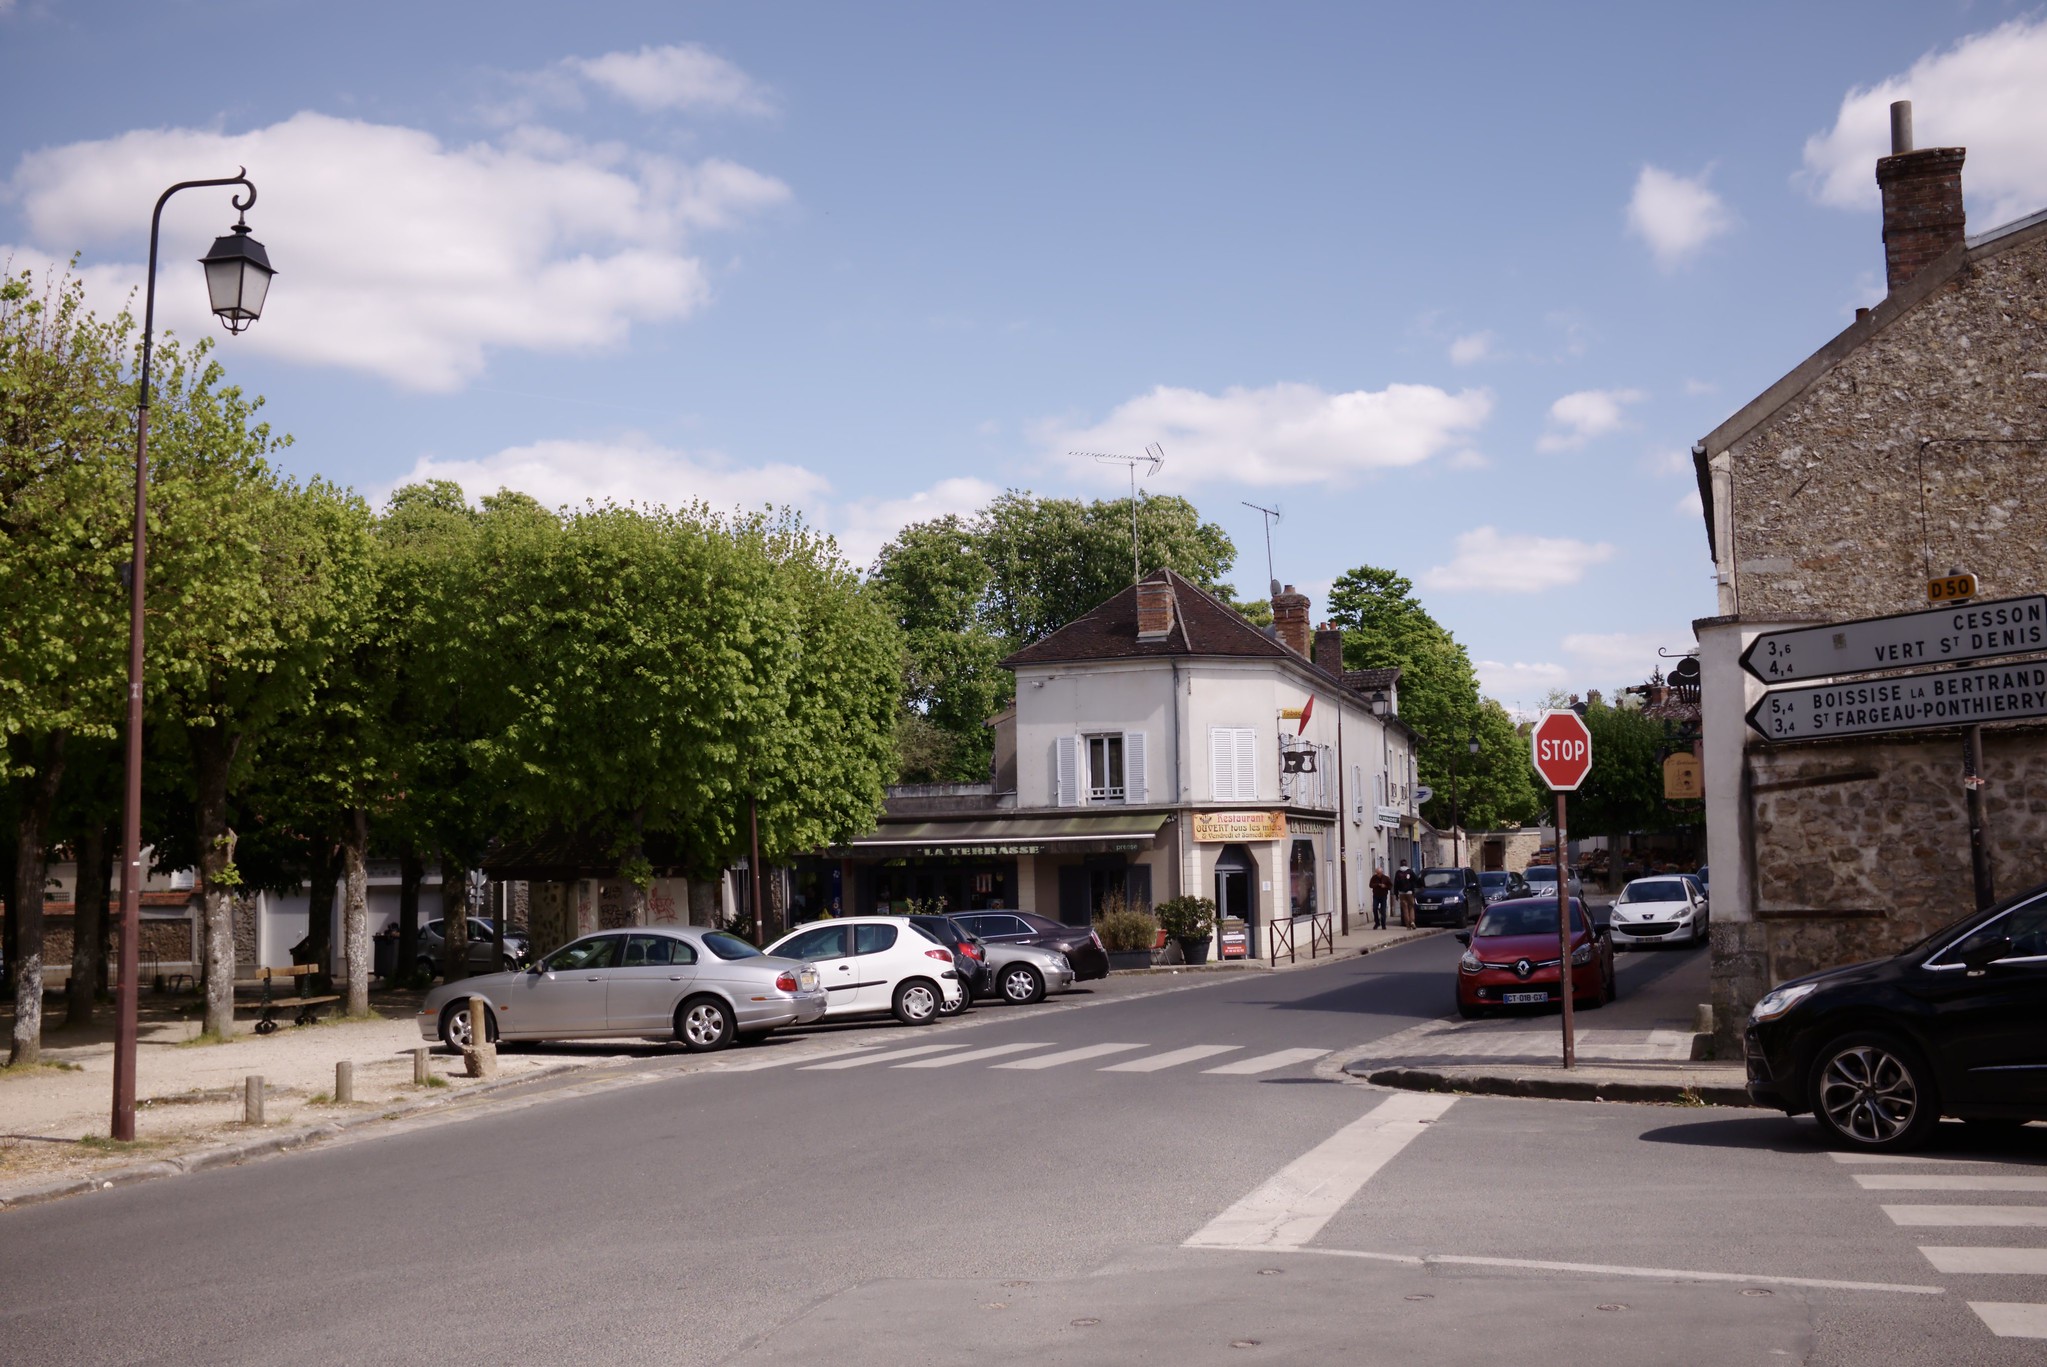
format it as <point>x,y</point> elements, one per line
<point>1563,750</point>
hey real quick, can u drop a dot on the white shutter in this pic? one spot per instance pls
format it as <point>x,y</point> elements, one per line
<point>1357,795</point>
<point>1247,764</point>
<point>1066,765</point>
<point>1133,766</point>
<point>1222,781</point>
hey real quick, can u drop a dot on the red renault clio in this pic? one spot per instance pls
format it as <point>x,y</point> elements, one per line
<point>1512,959</point>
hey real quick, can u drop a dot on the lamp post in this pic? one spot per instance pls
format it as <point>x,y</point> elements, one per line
<point>1456,806</point>
<point>237,279</point>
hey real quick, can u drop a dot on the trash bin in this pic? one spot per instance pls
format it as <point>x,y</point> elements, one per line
<point>384,956</point>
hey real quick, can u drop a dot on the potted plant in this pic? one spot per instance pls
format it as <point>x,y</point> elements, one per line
<point>1190,921</point>
<point>1128,934</point>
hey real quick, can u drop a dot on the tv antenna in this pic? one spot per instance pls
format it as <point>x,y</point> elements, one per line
<point>1271,516</point>
<point>1153,459</point>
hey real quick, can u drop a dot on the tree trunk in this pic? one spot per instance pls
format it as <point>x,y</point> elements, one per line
<point>411,872</point>
<point>454,917</point>
<point>212,756</point>
<point>703,901</point>
<point>89,926</point>
<point>38,796</point>
<point>324,874</point>
<point>355,910</point>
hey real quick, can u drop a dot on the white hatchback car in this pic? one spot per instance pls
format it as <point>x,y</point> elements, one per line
<point>876,965</point>
<point>1661,910</point>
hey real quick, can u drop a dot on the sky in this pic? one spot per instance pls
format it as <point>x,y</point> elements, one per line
<point>1454,287</point>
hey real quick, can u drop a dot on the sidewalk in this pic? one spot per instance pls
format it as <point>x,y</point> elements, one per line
<point>1641,1048</point>
<point>1361,940</point>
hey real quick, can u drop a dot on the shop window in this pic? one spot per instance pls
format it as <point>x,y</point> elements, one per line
<point>1301,878</point>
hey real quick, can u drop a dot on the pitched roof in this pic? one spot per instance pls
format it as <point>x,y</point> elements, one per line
<point>1365,680</point>
<point>1202,625</point>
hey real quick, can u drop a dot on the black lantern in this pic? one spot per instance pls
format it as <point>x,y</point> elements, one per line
<point>237,277</point>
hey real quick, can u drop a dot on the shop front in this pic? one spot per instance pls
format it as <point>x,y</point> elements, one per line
<point>1065,866</point>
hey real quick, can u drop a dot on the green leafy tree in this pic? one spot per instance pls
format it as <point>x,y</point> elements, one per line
<point>1624,792</point>
<point>934,580</point>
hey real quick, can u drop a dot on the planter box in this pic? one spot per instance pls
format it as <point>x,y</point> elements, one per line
<point>1194,951</point>
<point>1129,958</point>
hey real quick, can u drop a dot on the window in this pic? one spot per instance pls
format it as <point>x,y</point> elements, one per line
<point>599,951</point>
<point>824,942</point>
<point>726,945</point>
<point>872,939</point>
<point>1301,877</point>
<point>658,951</point>
<point>1233,763</point>
<point>2025,926</point>
<point>1104,768</point>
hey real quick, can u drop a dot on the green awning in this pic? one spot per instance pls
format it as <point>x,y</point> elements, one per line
<point>1014,835</point>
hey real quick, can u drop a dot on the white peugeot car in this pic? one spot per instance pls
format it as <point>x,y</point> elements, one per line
<point>1667,909</point>
<point>876,965</point>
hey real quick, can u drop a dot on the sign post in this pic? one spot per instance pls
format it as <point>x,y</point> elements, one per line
<point>1561,747</point>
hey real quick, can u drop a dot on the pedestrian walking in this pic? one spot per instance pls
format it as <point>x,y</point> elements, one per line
<point>1381,885</point>
<point>1404,884</point>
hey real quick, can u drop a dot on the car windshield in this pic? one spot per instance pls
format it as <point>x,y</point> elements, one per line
<point>1525,918</point>
<point>1493,880</point>
<point>1654,890</point>
<point>1442,878</point>
<point>1541,873</point>
<point>726,945</point>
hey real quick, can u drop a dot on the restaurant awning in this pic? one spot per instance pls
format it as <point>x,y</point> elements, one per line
<point>1004,836</point>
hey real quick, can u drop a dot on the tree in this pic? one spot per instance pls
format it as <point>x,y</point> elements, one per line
<point>1623,794</point>
<point>934,580</point>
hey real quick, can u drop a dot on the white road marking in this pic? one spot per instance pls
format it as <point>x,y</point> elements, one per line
<point>1266,1063</point>
<point>890,1056</point>
<point>1070,1056</point>
<point>792,1056</point>
<point>1292,1206</point>
<point>2008,1320</point>
<point>1662,1274</point>
<point>1937,1158</point>
<point>2002,1217</point>
<point>2030,1262</point>
<point>1172,1058</point>
<point>1929,1181</point>
<point>973,1055</point>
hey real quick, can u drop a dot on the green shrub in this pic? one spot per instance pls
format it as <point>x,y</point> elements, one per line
<point>1123,929</point>
<point>1186,918</point>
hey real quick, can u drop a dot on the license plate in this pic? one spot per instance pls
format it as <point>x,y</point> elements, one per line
<point>1523,998</point>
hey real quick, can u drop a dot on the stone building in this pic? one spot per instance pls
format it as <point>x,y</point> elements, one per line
<point>1909,446</point>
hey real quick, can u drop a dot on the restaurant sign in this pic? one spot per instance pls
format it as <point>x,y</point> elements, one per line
<point>1233,827</point>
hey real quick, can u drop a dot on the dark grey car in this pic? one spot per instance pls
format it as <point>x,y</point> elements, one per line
<point>483,949</point>
<point>1448,897</point>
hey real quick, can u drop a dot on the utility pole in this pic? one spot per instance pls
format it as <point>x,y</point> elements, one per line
<point>1154,459</point>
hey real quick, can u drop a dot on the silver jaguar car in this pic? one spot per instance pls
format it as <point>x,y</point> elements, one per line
<point>1022,974</point>
<point>700,987</point>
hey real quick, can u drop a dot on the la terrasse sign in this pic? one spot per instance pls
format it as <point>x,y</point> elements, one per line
<point>1904,702</point>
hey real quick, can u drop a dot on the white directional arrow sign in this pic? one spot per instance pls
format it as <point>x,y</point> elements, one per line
<point>1904,702</point>
<point>1949,635</point>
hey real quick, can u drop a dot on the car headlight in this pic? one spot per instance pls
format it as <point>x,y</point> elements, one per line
<point>1776,1003</point>
<point>1582,954</point>
<point>1469,963</point>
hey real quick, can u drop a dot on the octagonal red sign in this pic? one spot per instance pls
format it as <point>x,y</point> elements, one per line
<point>1562,748</point>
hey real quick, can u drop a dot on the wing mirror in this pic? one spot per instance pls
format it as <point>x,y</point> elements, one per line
<point>1464,937</point>
<point>1981,956</point>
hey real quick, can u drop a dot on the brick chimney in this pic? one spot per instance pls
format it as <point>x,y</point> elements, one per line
<point>1922,190</point>
<point>1290,619</point>
<point>1154,610</point>
<point>1329,649</point>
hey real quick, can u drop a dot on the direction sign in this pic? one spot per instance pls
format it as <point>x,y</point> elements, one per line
<point>1562,749</point>
<point>1965,631</point>
<point>1904,702</point>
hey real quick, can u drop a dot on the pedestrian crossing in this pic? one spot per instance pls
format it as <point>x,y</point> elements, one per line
<point>1224,1060</point>
<point>1948,1174</point>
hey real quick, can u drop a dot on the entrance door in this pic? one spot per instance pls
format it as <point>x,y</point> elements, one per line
<point>1235,893</point>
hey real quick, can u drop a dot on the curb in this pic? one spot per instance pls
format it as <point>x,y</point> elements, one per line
<point>1261,965</point>
<point>1559,1088</point>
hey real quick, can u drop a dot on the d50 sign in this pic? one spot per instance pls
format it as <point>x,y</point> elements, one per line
<point>1562,750</point>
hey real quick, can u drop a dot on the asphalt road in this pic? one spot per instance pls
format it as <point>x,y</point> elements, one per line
<point>999,1197</point>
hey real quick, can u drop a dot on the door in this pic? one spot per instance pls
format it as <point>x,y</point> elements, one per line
<point>1990,1023</point>
<point>566,995</point>
<point>643,990</point>
<point>483,947</point>
<point>825,946</point>
<point>1075,909</point>
<point>875,969</point>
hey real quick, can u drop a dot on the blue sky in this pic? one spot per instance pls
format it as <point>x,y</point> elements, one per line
<point>1456,287</point>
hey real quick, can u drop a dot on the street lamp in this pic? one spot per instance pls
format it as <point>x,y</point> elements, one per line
<point>237,279</point>
<point>1456,806</point>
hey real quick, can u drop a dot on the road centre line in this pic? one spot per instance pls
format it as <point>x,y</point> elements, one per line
<point>2030,1262</point>
<point>1172,1058</point>
<point>1291,1207</point>
<point>1999,1217</point>
<point>1929,1181</point>
<point>1662,1274</point>
<point>2008,1320</point>
<point>1070,1056</point>
<point>1265,1063</point>
<point>974,1055</point>
<point>889,1057</point>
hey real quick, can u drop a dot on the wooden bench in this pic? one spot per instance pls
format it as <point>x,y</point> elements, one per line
<point>270,1004</point>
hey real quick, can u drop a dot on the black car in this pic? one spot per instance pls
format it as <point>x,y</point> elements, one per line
<point>966,957</point>
<point>1081,946</point>
<point>1878,1052</point>
<point>1448,897</point>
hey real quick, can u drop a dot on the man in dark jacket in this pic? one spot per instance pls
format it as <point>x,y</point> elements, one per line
<point>1404,884</point>
<point>1380,885</point>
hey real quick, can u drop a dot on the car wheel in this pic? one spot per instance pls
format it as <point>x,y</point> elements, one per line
<point>954,1008</point>
<point>917,1002</point>
<point>455,1029</point>
<point>427,972</point>
<point>705,1024</point>
<point>1022,985</point>
<point>1468,1011</point>
<point>1873,1092</point>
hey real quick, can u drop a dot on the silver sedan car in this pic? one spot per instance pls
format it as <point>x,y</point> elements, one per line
<point>700,987</point>
<point>1022,974</point>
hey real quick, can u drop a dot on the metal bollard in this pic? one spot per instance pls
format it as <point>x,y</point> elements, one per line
<point>344,1083</point>
<point>419,1072</point>
<point>252,1099</point>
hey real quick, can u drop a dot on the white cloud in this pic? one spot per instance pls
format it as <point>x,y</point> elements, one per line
<point>680,76</point>
<point>1669,462</point>
<point>1520,686</point>
<point>1620,659</point>
<point>1676,215</point>
<point>1578,418</point>
<point>1488,561</point>
<point>1284,433</point>
<point>1691,504</point>
<point>1983,94</point>
<point>1472,348</point>
<point>397,254</point>
<point>1698,388</point>
<point>865,525</point>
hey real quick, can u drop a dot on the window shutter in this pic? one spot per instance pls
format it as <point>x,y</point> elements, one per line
<point>1247,764</point>
<point>1357,795</point>
<point>1066,766</point>
<point>1133,766</point>
<point>1222,781</point>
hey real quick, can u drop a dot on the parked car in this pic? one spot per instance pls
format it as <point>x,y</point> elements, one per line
<point>1511,959</point>
<point>702,988</point>
<point>1021,974</point>
<point>1081,946</point>
<point>1701,875</point>
<point>482,950</point>
<point>1450,897</point>
<point>1542,882</point>
<point>1664,910</point>
<point>1498,886</point>
<point>969,958</point>
<point>1878,1052</point>
<point>877,965</point>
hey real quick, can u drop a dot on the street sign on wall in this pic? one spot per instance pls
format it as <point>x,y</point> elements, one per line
<point>1904,702</point>
<point>1971,631</point>
<point>1562,749</point>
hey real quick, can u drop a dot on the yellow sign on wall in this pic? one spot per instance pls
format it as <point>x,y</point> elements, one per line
<point>1683,778</point>
<point>1232,827</point>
